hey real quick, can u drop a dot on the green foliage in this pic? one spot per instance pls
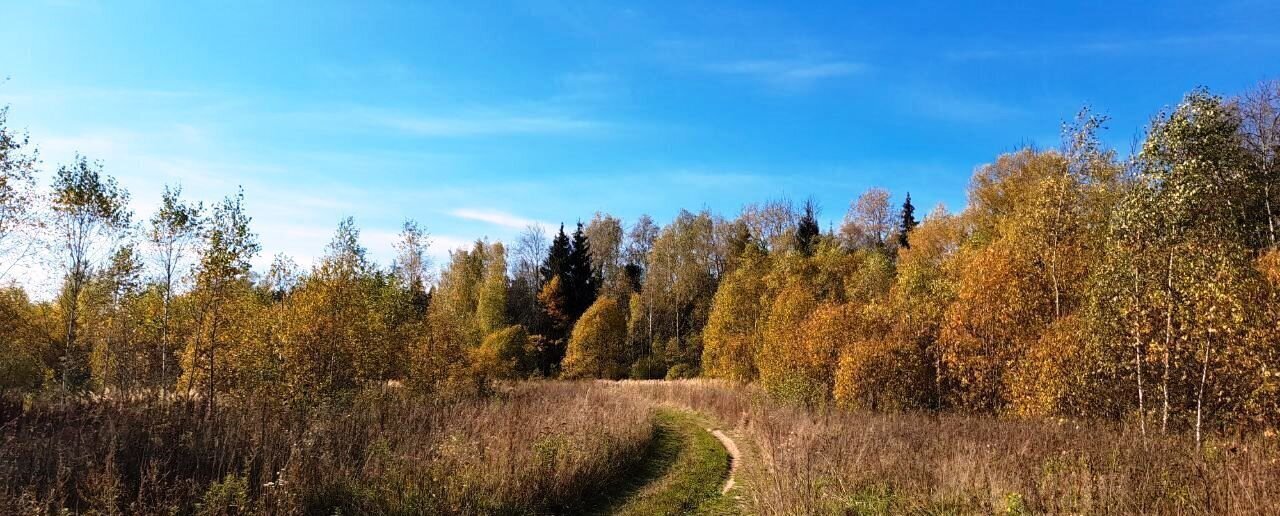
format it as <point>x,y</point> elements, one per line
<point>644,368</point>
<point>226,497</point>
<point>683,469</point>
<point>596,349</point>
<point>907,222</point>
<point>19,370</point>
<point>504,354</point>
<point>807,229</point>
<point>680,371</point>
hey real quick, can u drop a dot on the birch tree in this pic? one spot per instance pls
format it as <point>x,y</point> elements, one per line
<point>18,196</point>
<point>221,283</point>
<point>89,210</point>
<point>173,232</point>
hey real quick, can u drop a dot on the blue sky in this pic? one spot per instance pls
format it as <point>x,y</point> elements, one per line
<point>476,118</point>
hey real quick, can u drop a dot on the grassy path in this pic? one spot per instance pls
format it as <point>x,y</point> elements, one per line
<point>685,471</point>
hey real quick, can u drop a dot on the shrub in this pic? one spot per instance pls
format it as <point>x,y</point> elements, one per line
<point>503,354</point>
<point>597,345</point>
<point>681,371</point>
<point>229,496</point>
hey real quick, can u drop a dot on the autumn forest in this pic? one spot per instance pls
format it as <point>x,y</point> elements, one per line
<point>1121,301</point>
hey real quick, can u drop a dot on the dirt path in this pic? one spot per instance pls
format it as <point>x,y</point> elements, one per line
<point>735,457</point>
<point>687,470</point>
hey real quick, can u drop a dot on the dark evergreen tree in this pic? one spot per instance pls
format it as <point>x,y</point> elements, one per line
<point>635,276</point>
<point>555,316</point>
<point>907,224</point>
<point>807,231</point>
<point>557,262</point>
<point>738,242</point>
<point>583,279</point>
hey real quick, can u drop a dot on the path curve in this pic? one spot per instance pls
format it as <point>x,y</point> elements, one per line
<point>735,457</point>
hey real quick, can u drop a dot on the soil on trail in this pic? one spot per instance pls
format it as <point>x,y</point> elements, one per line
<point>735,457</point>
<point>687,469</point>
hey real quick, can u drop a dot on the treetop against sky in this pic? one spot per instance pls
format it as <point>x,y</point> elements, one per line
<point>481,119</point>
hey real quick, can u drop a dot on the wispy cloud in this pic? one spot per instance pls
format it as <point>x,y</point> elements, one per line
<point>1112,46</point>
<point>590,87</point>
<point>714,179</point>
<point>484,123</point>
<point>939,103</point>
<point>74,4</point>
<point>789,73</point>
<point>497,218</point>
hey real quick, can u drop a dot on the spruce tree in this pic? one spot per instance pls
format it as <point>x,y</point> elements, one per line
<point>807,231</point>
<point>907,224</point>
<point>557,261</point>
<point>583,278</point>
<point>555,315</point>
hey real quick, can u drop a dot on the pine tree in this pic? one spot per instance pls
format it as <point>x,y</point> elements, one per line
<point>557,262</point>
<point>908,223</point>
<point>807,230</point>
<point>555,326</point>
<point>555,304</point>
<point>583,278</point>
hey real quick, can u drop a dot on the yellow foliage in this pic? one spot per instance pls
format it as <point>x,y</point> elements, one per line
<point>503,354</point>
<point>1269,265</point>
<point>999,308</point>
<point>1054,375</point>
<point>732,335</point>
<point>883,374</point>
<point>783,356</point>
<point>597,345</point>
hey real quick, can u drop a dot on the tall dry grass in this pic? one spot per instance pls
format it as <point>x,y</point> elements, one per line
<point>803,461</point>
<point>550,447</point>
<point>533,448</point>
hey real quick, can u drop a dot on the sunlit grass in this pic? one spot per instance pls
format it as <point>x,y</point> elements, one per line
<point>696,467</point>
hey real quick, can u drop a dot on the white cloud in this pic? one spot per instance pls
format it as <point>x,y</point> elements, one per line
<point>1113,46</point>
<point>441,245</point>
<point>93,144</point>
<point>488,123</point>
<point>790,73</point>
<point>938,103</point>
<point>497,218</point>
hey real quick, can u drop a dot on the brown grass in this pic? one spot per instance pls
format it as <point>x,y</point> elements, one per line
<point>831,462</point>
<point>533,448</point>
<point>548,447</point>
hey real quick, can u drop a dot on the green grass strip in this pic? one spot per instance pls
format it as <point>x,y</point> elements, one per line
<point>682,472</point>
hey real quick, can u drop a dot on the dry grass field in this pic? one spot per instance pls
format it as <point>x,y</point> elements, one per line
<point>570,447</point>
<point>535,448</point>
<point>802,461</point>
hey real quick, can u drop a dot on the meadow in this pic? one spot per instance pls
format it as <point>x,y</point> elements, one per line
<point>556,447</point>
<point>538,448</point>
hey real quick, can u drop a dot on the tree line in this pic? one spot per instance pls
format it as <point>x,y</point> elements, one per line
<point>1076,283</point>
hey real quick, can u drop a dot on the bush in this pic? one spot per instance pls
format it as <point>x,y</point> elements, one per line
<point>597,345</point>
<point>230,496</point>
<point>682,371</point>
<point>645,368</point>
<point>19,370</point>
<point>503,354</point>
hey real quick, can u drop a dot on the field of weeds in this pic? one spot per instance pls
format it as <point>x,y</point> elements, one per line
<point>572,447</point>
<point>533,448</point>
<point>814,461</point>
